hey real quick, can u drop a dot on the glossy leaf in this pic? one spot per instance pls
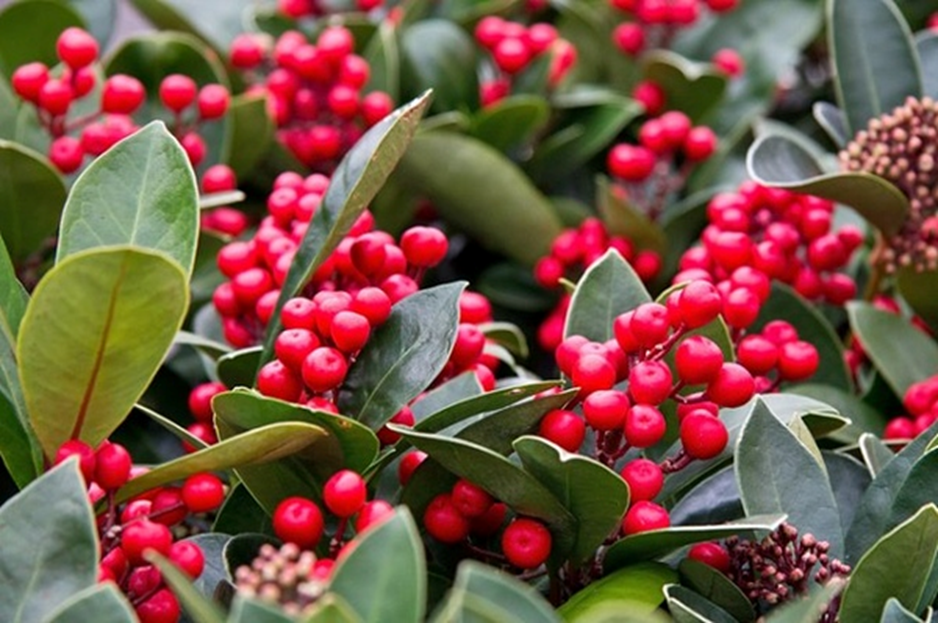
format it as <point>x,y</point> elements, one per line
<point>508,335</point>
<point>50,549</point>
<point>353,185</point>
<point>713,500</point>
<point>31,197</point>
<point>330,608</point>
<point>384,576</point>
<point>778,474</point>
<point>501,596</point>
<point>640,585</point>
<point>832,120</point>
<point>875,64</point>
<point>103,602</point>
<point>250,133</point>
<point>898,565</point>
<point>595,495</point>
<point>781,163</point>
<point>917,288</point>
<point>94,335</point>
<point>480,191</point>
<point>511,122</point>
<point>200,609</point>
<point>901,353</point>
<point>19,448</point>
<point>438,54</point>
<point>717,588</point>
<point>403,356</point>
<point>609,287</point>
<point>686,606</point>
<point>28,31</point>
<point>240,513</point>
<point>257,446</point>
<point>863,417</point>
<point>479,405</point>
<point>178,431</point>
<point>458,389</point>
<point>693,88</point>
<point>237,368</point>
<point>141,192</point>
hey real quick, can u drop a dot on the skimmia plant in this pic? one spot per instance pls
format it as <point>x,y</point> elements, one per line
<point>526,310</point>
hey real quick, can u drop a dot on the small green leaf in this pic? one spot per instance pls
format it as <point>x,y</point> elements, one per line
<point>875,63</point>
<point>778,474</point>
<point>103,602</point>
<point>693,88</point>
<point>459,388</point>
<point>178,431</point>
<point>403,356</point>
<point>384,576</point>
<point>779,162</point>
<point>897,566</point>
<point>29,30</point>
<point>716,587</point>
<point>438,54</point>
<point>49,550</point>
<point>200,609</point>
<point>31,197</point>
<point>330,608</point>
<point>480,191</point>
<point>511,122</point>
<point>609,287</point>
<point>640,585</point>
<point>237,368</point>
<point>498,592</point>
<point>141,192</point>
<point>595,495</point>
<point>250,133</point>
<point>214,572</point>
<point>832,120</point>
<point>686,606</point>
<point>508,335</point>
<point>876,454</point>
<point>94,335</point>
<point>895,612</point>
<point>203,344</point>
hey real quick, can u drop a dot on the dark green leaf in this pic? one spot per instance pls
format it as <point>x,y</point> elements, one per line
<point>781,163</point>
<point>479,405</point>
<point>18,446</point>
<point>511,122</point>
<point>384,576</point>
<point>875,63</point>
<point>512,286</point>
<point>457,389</point>
<point>178,431</point>
<point>508,335</point>
<point>902,353</point>
<point>919,489</point>
<point>99,15</point>
<point>714,500</point>
<point>876,454</point>
<point>141,192</point>
<point>213,546</point>
<point>240,513</point>
<point>514,600</point>
<point>236,369</point>
<point>438,54</point>
<point>479,190</point>
<point>250,133</point>
<point>103,603</point>
<point>897,566</point>
<point>595,495</point>
<point>609,287</point>
<point>778,474</point>
<point>832,120</point>
<point>94,335</point>
<point>640,585</point>
<point>49,550</point>
<point>716,587</point>
<point>917,289</point>
<point>200,609</point>
<point>207,346</point>
<point>849,480</point>
<point>353,185</point>
<point>9,111</point>
<point>28,32</point>
<point>384,58</point>
<point>693,88</point>
<point>686,606</point>
<point>32,194</point>
<point>862,416</point>
<point>403,356</point>
<point>216,24</point>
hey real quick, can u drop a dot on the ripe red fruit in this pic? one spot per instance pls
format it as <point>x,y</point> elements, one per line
<point>729,62</point>
<point>76,48</point>
<point>526,543</point>
<point>741,308</point>
<point>188,557</point>
<point>644,477</point>
<point>409,462</point>
<point>644,426</point>
<point>246,51</point>
<point>650,382</point>
<point>85,454</point>
<point>376,106</point>
<point>29,79</point>
<point>797,360</point>
<point>195,148</point>
<point>168,507</point>
<point>444,522</point>
<point>700,144</point>
<point>55,97</point>
<point>606,409</point>
<point>335,43</point>
<point>177,92</point>
<point>470,342</point>
<point>277,380</point>
<point>162,607</point>
<point>712,554</point>
<point>202,431</point>
<point>112,466</point>
<point>345,493</point>
<point>424,246</point>
<point>650,324</point>
<point>469,499</point>
<point>372,512</point>
<point>733,386</point>
<point>629,37</point>
<point>702,435</point>
<point>200,400</point>
<point>700,303</point>
<point>298,520</point>
<point>350,331</point>
<point>650,95</point>
<point>203,492</point>
<point>593,372</point>
<point>757,354</point>
<point>141,535</point>
<point>324,369</point>
<point>698,359</point>
<point>564,428</point>
<point>67,154</point>
<point>122,95</point>
<point>511,55</point>
<point>644,516</point>
<point>213,101</point>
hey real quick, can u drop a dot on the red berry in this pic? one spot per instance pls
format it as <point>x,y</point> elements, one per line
<point>168,507</point>
<point>650,382</point>
<point>757,354</point>
<point>213,101</point>
<point>246,51</point>
<point>373,304</point>
<point>526,543</point>
<point>698,360</point>
<point>376,106</point>
<point>797,360</point>
<point>29,79</point>
<point>511,55</point>
<point>298,520</point>
<point>629,37</point>
<point>67,154</point>
<point>490,31</point>
<point>779,332</point>
<point>650,95</point>
<point>372,513</point>
<point>606,409</point>
<point>122,95</point>
<point>424,246</point>
<point>162,607</point>
<point>900,428</point>
<point>741,308</point>
<point>335,43</point>
<point>195,148</point>
<point>644,516</point>
<point>593,372</point>
<point>650,324</point>
<point>490,522</point>
<point>712,554</point>
<point>675,126</point>
<point>112,466</point>
<point>470,342</point>
<point>644,426</point>
<point>55,97</point>
<point>700,144</point>
<point>645,479</point>
<point>349,331</point>
<point>564,428</point>
<point>721,6</point>
<point>188,557</point>
<point>177,92</point>
<point>469,499</point>
<point>324,369</point>
<point>85,454</point>
<point>443,520</point>
<point>76,48</point>
<point>409,462</point>
<point>202,431</point>
<point>142,535</point>
<point>474,308</point>
<point>345,493</point>
<point>700,303</point>
<point>202,493</point>
<point>702,435</point>
<point>200,400</point>
<point>729,62</point>
<point>733,387</point>
<point>277,380</point>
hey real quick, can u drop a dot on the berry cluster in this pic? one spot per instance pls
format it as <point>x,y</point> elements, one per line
<point>513,48</point>
<point>782,235</point>
<point>144,523</point>
<point>469,515</point>
<point>776,355</point>
<point>121,96</point>
<point>648,174</point>
<point>570,253</point>
<point>921,405</point>
<point>314,92</point>
<point>656,22</point>
<point>222,220</point>
<point>297,9</point>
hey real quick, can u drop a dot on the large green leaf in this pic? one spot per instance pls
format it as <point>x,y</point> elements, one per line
<point>250,133</point>
<point>849,480</point>
<point>31,197</point>
<point>920,488</point>
<point>216,24</point>
<point>103,602</point>
<point>354,184</point>
<point>595,495</point>
<point>384,576</point>
<point>460,388</point>
<point>28,32</point>
<point>897,566</point>
<point>875,63</point>
<point>479,190</point>
<point>49,550</point>
<point>608,288</point>
<point>637,586</point>
<point>917,289</point>
<point>94,335</point>
<point>506,598</point>
<point>780,162</point>
<point>902,353</point>
<point>403,356</point>
<point>511,122</point>
<point>778,474</point>
<point>141,192</point>
<point>99,15</point>
<point>895,612</point>
<point>438,54</point>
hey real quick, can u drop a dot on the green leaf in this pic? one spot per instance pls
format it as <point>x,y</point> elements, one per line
<point>205,345</point>
<point>511,122</point>
<point>778,474</point>
<point>384,58</point>
<point>438,54</point>
<point>141,192</point>
<point>330,608</point>
<point>609,287</point>
<point>256,446</point>
<point>94,335</point>
<point>863,417</point>
<point>384,576</point>
<point>895,612</point>
<point>809,609</point>
<point>50,547</point>
<point>103,602</point>
<point>99,15</point>
<point>478,405</point>
<point>713,500</point>
<point>832,120</point>
<point>716,587</point>
<point>686,606</point>
<point>779,162</point>
<point>250,133</point>
<point>897,566</point>
<point>459,388</point>
<point>215,572</point>
<point>29,30</point>
<point>247,610</point>
<point>849,480</point>
<point>508,335</point>
<point>595,495</point>
<point>403,356</point>
<point>178,431</point>
<point>657,543</point>
<point>480,191</point>
<point>625,219</point>
<point>640,585</point>
<point>237,368</point>
<point>875,63</point>
<point>510,285</point>
<point>901,353</point>
<point>917,288</point>
<point>926,46</point>
<point>18,446</point>
<point>240,513</point>
<point>31,197</point>
<point>502,593</point>
<point>876,454</point>
<point>355,182</point>
<point>200,609</point>
<point>693,88</point>
<point>217,25</point>
<point>919,488</point>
